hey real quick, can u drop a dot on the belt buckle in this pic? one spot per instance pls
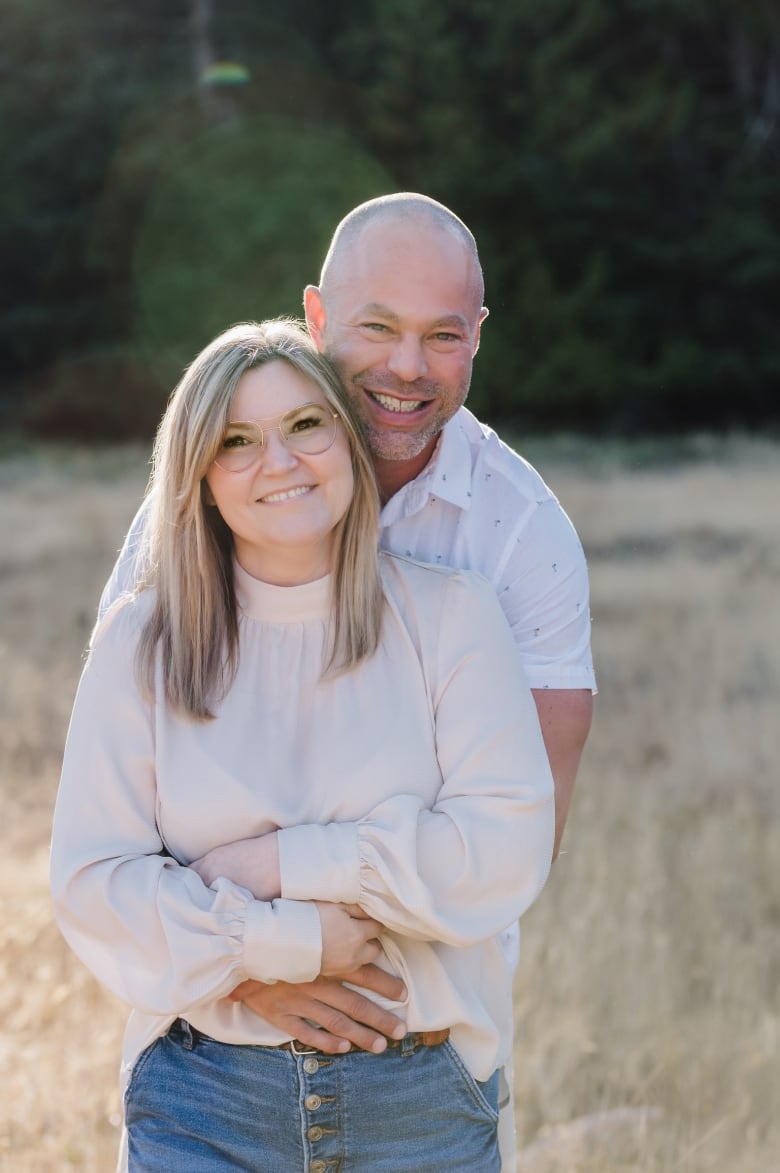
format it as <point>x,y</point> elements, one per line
<point>296,1052</point>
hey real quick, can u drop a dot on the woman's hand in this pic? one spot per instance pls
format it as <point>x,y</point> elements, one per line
<point>251,863</point>
<point>349,938</point>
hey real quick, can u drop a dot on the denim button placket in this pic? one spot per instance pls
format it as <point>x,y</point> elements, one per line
<point>319,1091</point>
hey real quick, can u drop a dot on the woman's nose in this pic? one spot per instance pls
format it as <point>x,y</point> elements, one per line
<point>275,455</point>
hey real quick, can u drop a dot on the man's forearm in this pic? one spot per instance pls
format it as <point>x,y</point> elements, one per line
<point>565,715</point>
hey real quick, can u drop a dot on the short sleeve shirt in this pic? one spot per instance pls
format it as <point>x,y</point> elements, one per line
<point>478,505</point>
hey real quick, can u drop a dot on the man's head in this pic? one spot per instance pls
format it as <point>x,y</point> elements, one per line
<point>398,311</point>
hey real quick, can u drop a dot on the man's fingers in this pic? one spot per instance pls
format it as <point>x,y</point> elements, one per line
<point>369,1031</point>
<point>362,1011</point>
<point>346,1012</point>
<point>321,1040</point>
<point>343,1013</point>
<point>371,977</point>
<point>240,991</point>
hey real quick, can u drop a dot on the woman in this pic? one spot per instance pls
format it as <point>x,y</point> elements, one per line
<point>288,756</point>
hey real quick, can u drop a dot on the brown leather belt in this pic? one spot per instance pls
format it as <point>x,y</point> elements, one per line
<point>420,1038</point>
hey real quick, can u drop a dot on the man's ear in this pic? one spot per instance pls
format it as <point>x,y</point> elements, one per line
<point>315,315</point>
<point>483,313</point>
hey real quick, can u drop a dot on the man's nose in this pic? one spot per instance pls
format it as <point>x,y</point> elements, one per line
<point>407,359</point>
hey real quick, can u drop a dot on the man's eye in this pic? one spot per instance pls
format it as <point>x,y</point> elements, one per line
<point>376,327</point>
<point>444,336</point>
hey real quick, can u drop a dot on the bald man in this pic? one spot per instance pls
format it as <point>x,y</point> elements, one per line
<point>399,310</point>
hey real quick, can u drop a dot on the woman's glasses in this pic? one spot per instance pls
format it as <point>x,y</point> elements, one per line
<point>309,429</point>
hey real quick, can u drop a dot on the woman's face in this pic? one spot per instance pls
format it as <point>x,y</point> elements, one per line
<point>283,509</point>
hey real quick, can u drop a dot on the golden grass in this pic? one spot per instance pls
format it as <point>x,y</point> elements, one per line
<point>648,1025</point>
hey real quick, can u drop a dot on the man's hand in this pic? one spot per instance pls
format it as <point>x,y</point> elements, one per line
<point>344,1015</point>
<point>252,863</point>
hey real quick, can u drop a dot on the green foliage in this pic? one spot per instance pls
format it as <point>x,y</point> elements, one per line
<point>238,223</point>
<point>618,163</point>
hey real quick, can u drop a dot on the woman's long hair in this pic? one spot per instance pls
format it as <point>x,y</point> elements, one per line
<point>193,626</point>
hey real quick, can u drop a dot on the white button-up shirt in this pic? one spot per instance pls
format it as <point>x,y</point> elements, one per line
<point>477,505</point>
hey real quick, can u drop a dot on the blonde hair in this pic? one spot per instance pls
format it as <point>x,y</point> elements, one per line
<point>189,548</point>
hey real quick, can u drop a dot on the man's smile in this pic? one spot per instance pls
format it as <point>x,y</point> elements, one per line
<point>392,403</point>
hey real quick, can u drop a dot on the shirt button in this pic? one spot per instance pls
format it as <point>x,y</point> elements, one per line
<point>315,1133</point>
<point>312,1103</point>
<point>311,1066</point>
<point>318,1166</point>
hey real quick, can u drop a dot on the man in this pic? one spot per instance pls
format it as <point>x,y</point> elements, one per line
<point>399,311</point>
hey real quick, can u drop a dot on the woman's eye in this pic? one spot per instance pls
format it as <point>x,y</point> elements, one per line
<point>306,425</point>
<point>235,441</point>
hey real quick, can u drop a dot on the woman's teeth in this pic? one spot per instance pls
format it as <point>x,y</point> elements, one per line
<point>287,494</point>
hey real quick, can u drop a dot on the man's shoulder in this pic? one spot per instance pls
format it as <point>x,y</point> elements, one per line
<point>425,582</point>
<point>122,623</point>
<point>494,463</point>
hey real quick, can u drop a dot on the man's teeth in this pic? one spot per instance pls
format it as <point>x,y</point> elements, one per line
<point>400,405</point>
<point>288,494</point>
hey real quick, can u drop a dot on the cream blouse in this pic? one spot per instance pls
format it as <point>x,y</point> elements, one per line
<point>416,785</point>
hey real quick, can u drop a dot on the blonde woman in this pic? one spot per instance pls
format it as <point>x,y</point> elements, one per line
<point>291,756</point>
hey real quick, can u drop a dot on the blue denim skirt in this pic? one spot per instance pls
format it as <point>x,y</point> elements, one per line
<point>194,1105</point>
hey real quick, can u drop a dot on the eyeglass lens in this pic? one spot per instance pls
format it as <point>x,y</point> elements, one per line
<point>310,429</point>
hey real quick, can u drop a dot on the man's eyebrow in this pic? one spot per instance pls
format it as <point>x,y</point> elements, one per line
<point>451,320</point>
<point>376,309</point>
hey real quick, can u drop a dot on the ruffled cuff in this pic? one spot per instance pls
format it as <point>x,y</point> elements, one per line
<point>282,941</point>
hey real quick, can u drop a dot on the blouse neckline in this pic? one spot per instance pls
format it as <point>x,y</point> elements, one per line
<point>281,604</point>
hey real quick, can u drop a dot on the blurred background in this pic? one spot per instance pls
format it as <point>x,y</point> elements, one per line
<point>168,169</point>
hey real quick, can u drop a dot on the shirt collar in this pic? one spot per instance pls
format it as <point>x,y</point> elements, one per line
<point>447,475</point>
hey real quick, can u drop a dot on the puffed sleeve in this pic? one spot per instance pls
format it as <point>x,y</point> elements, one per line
<point>146,926</point>
<point>464,869</point>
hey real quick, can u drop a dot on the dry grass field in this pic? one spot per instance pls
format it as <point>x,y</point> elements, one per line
<point>648,1025</point>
